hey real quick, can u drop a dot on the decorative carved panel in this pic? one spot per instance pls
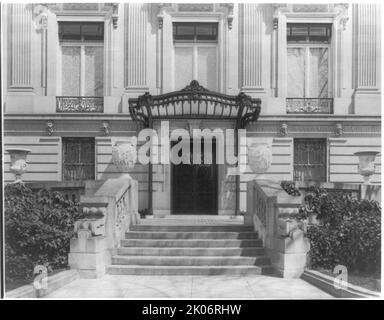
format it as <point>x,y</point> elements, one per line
<point>80,6</point>
<point>310,8</point>
<point>205,7</point>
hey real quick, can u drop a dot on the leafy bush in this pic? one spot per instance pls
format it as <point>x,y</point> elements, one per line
<point>38,229</point>
<point>290,188</point>
<point>349,232</point>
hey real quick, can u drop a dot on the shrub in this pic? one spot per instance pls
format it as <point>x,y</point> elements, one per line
<point>290,188</point>
<point>349,232</point>
<point>38,229</point>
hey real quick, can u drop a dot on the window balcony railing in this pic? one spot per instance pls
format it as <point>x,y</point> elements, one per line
<point>79,104</point>
<point>310,105</point>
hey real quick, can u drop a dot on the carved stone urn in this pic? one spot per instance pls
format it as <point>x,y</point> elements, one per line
<point>124,155</point>
<point>259,157</point>
<point>366,164</point>
<point>18,162</point>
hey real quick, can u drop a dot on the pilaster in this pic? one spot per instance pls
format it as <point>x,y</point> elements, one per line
<point>366,35</point>
<point>135,35</point>
<point>20,44</point>
<point>251,46</point>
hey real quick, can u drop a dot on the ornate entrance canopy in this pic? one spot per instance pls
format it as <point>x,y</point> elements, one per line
<point>195,102</point>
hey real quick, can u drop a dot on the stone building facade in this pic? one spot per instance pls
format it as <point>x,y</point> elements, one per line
<point>70,70</point>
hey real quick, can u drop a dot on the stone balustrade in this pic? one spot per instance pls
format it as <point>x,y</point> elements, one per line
<point>270,210</point>
<point>108,214</point>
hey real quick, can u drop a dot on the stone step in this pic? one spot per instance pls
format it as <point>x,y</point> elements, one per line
<point>191,243</point>
<point>190,261</point>
<point>224,252</point>
<point>192,228</point>
<point>188,270</point>
<point>190,235</point>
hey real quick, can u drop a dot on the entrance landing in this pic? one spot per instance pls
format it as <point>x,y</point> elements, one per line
<point>184,220</point>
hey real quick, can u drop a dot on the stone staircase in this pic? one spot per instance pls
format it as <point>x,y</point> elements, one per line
<point>190,247</point>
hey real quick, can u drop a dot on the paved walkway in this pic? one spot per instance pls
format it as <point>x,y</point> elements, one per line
<point>186,287</point>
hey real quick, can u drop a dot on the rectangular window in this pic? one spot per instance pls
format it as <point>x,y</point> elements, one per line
<point>82,48</point>
<point>308,33</point>
<point>308,68</point>
<point>194,32</point>
<point>196,56</point>
<point>310,160</point>
<point>78,158</point>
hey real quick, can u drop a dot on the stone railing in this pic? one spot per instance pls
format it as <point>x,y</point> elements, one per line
<point>109,213</point>
<point>270,210</point>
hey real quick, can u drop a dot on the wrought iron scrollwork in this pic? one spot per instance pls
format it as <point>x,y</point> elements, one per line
<point>195,101</point>
<point>310,105</point>
<point>79,104</point>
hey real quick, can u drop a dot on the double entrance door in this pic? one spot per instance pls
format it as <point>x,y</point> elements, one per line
<point>194,186</point>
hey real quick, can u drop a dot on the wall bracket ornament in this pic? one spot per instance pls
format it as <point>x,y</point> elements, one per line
<point>277,8</point>
<point>40,17</point>
<point>342,10</point>
<point>50,127</point>
<point>284,129</point>
<point>339,130</point>
<point>227,9</point>
<point>163,9</point>
<point>115,14</point>
<point>105,128</point>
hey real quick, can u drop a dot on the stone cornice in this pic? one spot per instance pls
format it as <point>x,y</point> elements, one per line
<point>262,118</point>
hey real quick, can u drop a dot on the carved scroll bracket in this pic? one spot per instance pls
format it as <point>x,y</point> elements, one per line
<point>40,17</point>
<point>50,127</point>
<point>277,9</point>
<point>341,10</point>
<point>163,8</point>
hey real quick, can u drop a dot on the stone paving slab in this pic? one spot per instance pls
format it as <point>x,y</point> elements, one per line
<point>187,287</point>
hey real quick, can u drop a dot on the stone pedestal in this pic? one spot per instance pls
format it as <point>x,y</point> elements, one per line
<point>289,254</point>
<point>371,192</point>
<point>89,254</point>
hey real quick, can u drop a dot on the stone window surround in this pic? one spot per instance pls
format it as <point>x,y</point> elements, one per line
<point>107,43</point>
<point>282,16</point>
<point>307,47</point>
<point>167,16</point>
<point>82,45</point>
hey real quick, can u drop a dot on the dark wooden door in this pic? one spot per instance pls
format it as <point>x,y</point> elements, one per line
<point>194,187</point>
